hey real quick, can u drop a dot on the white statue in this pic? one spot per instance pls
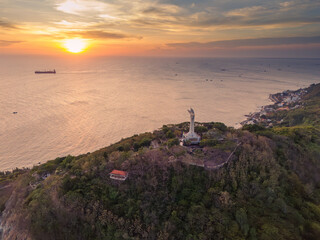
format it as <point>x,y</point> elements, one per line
<point>191,136</point>
<point>191,112</point>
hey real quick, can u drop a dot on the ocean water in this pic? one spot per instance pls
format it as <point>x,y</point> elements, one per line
<point>93,102</point>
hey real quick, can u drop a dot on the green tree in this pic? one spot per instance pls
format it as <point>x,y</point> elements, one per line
<point>242,220</point>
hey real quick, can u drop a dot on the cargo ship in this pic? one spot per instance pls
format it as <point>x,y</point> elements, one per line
<point>50,71</point>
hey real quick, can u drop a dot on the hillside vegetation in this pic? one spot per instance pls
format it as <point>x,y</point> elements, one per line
<point>268,189</point>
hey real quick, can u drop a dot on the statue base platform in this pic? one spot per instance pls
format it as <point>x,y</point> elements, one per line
<point>191,137</point>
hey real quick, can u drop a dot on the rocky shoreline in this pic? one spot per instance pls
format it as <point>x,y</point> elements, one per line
<point>284,101</point>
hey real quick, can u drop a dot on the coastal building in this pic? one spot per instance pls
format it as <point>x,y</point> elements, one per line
<point>118,175</point>
<point>284,101</point>
<point>191,136</point>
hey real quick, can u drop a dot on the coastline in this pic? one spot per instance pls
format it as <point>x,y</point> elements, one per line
<point>282,101</point>
<point>81,120</point>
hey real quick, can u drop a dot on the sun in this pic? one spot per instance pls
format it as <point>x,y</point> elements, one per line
<point>76,45</point>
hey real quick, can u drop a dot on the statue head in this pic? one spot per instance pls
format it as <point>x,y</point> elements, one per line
<point>191,112</point>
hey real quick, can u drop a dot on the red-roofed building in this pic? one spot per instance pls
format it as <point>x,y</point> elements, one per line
<point>118,175</point>
<point>283,108</point>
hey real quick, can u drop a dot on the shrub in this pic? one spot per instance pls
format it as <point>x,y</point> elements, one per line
<point>165,128</point>
<point>208,142</point>
<point>172,142</point>
<point>170,134</point>
<point>124,147</point>
<point>221,126</point>
<point>253,127</point>
<point>145,142</point>
<point>67,161</point>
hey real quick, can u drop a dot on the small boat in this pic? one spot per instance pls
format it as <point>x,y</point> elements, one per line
<point>49,71</point>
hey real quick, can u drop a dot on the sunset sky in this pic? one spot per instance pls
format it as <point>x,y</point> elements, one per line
<point>162,28</point>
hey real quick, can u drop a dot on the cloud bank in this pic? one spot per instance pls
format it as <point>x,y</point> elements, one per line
<point>249,42</point>
<point>173,24</point>
<point>4,43</point>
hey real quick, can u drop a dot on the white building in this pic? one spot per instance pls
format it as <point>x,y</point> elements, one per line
<point>118,175</point>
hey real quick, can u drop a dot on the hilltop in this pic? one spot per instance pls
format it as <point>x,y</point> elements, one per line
<point>257,182</point>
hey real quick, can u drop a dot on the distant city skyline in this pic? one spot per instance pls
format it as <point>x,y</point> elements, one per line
<point>220,28</point>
